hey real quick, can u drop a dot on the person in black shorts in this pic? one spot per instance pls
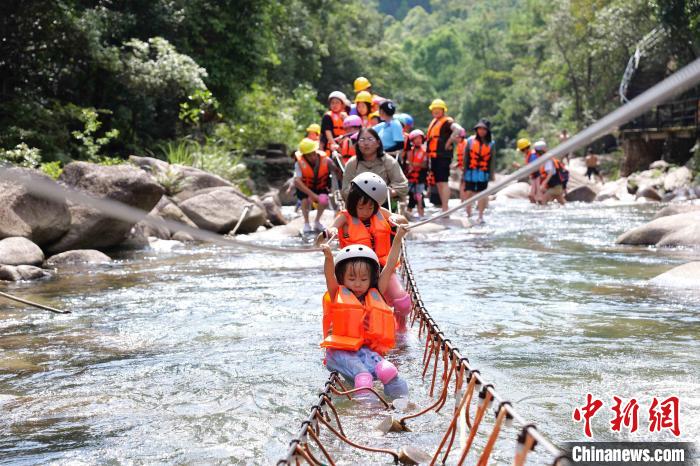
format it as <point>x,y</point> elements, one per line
<point>442,133</point>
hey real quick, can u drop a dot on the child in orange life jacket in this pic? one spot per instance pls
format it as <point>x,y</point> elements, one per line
<point>358,326</point>
<point>416,163</point>
<point>365,222</point>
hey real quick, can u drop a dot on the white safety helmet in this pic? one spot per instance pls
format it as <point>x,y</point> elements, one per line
<point>356,251</point>
<point>540,146</point>
<point>338,95</point>
<point>373,185</point>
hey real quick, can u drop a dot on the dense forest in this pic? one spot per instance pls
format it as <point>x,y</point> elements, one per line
<point>215,79</point>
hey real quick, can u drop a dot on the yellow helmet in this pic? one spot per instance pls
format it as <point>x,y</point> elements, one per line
<point>314,128</point>
<point>306,146</point>
<point>373,115</point>
<point>364,96</point>
<point>438,103</point>
<point>523,143</point>
<point>361,84</point>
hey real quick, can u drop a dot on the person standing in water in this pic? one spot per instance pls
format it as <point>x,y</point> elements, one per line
<point>478,162</point>
<point>592,165</point>
<point>442,133</point>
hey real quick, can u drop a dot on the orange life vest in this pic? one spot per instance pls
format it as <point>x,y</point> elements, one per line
<point>348,324</point>
<point>461,148</point>
<point>433,136</point>
<point>377,236</point>
<point>479,155</point>
<point>416,162</point>
<point>347,149</point>
<point>558,167</point>
<point>314,181</point>
<point>338,119</point>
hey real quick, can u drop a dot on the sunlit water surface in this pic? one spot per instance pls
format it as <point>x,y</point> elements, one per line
<point>210,355</point>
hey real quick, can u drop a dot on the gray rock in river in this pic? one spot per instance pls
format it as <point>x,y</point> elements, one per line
<point>122,183</point>
<point>684,276</point>
<point>21,272</point>
<point>20,251</point>
<point>78,256</point>
<point>675,209</point>
<point>273,210</point>
<point>22,214</point>
<point>673,230</point>
<point>582,193</point>
<point>219,209</point>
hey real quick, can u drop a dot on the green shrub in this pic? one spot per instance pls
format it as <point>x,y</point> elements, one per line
<point>22,155</point>
<point>52,169</point>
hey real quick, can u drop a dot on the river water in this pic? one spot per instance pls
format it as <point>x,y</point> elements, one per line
<point>203,354</point>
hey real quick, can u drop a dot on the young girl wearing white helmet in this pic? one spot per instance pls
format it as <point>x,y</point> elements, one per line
<point>358,326</point>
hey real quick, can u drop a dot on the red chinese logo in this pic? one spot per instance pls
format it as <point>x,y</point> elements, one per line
<point>664,415</point>
<point>592,406</point>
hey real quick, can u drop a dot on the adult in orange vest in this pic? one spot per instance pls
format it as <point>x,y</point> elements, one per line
<point>441,136</point>
<point>358,326</point>
<point>311,178</point>
<point>478,165</point>
<point>332,121</point>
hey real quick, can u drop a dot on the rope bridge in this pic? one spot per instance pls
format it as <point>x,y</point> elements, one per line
<point>441,357</point>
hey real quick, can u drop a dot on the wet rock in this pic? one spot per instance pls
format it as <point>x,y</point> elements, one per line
<point>583,193</point>
<point>9,273</point>
<point>675,209</point>
<point>22,214</point>
<point>273,209</point>
<point>168,210</point>
<point>29,272</point>
<point>614,190</point>
<point>519,190</point>
<point>660,165</point>
<point>183,237</point>
<point>20,251</point>
<point>672,230</point>
<point>684,276</point>
<point>122,183</point>
<point>219,209</point>
<point>79,256</point>
<point>287,193</point>
<point>649,193</point>
<point>677,178</point>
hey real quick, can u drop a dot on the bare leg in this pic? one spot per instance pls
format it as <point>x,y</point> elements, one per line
<point>305,205</point>
<point>444,192</point>
<point>467,195</point>
<point>482,205</point>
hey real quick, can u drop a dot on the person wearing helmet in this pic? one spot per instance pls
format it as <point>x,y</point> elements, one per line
<point>478,165</point>
<point>530,155</point>
<point>313,131</point>
<point>358,325</point>
<point>362,84</point>
<point>416,167</point>
<point>352,125</point>
<point>390,130</point>
<point>332,121</point>
<point>311,178</point>
<point>363,107</point>
<point>374,119</point>
<point>441,136</point>
<point>370,157</point>
<point>364,221</point>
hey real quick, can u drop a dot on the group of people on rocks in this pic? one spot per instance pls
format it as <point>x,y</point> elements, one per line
<point>371,155</point>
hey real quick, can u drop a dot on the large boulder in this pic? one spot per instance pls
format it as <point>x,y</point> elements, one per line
<point>582,193</point>
<point>219,209</point>
<point>168,210</point>
<point>79,256</point>
<point>21,272</point>
<point>684,276</point>
<point>677,178</point>
<point>648,194</point>
<point>20,251</point>
<point>23,214</point>
<point>92,228</point>
<point>192,179</point>
<point>673,230</point>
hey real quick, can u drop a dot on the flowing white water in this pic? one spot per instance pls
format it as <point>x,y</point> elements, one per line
<point>205,354</point>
